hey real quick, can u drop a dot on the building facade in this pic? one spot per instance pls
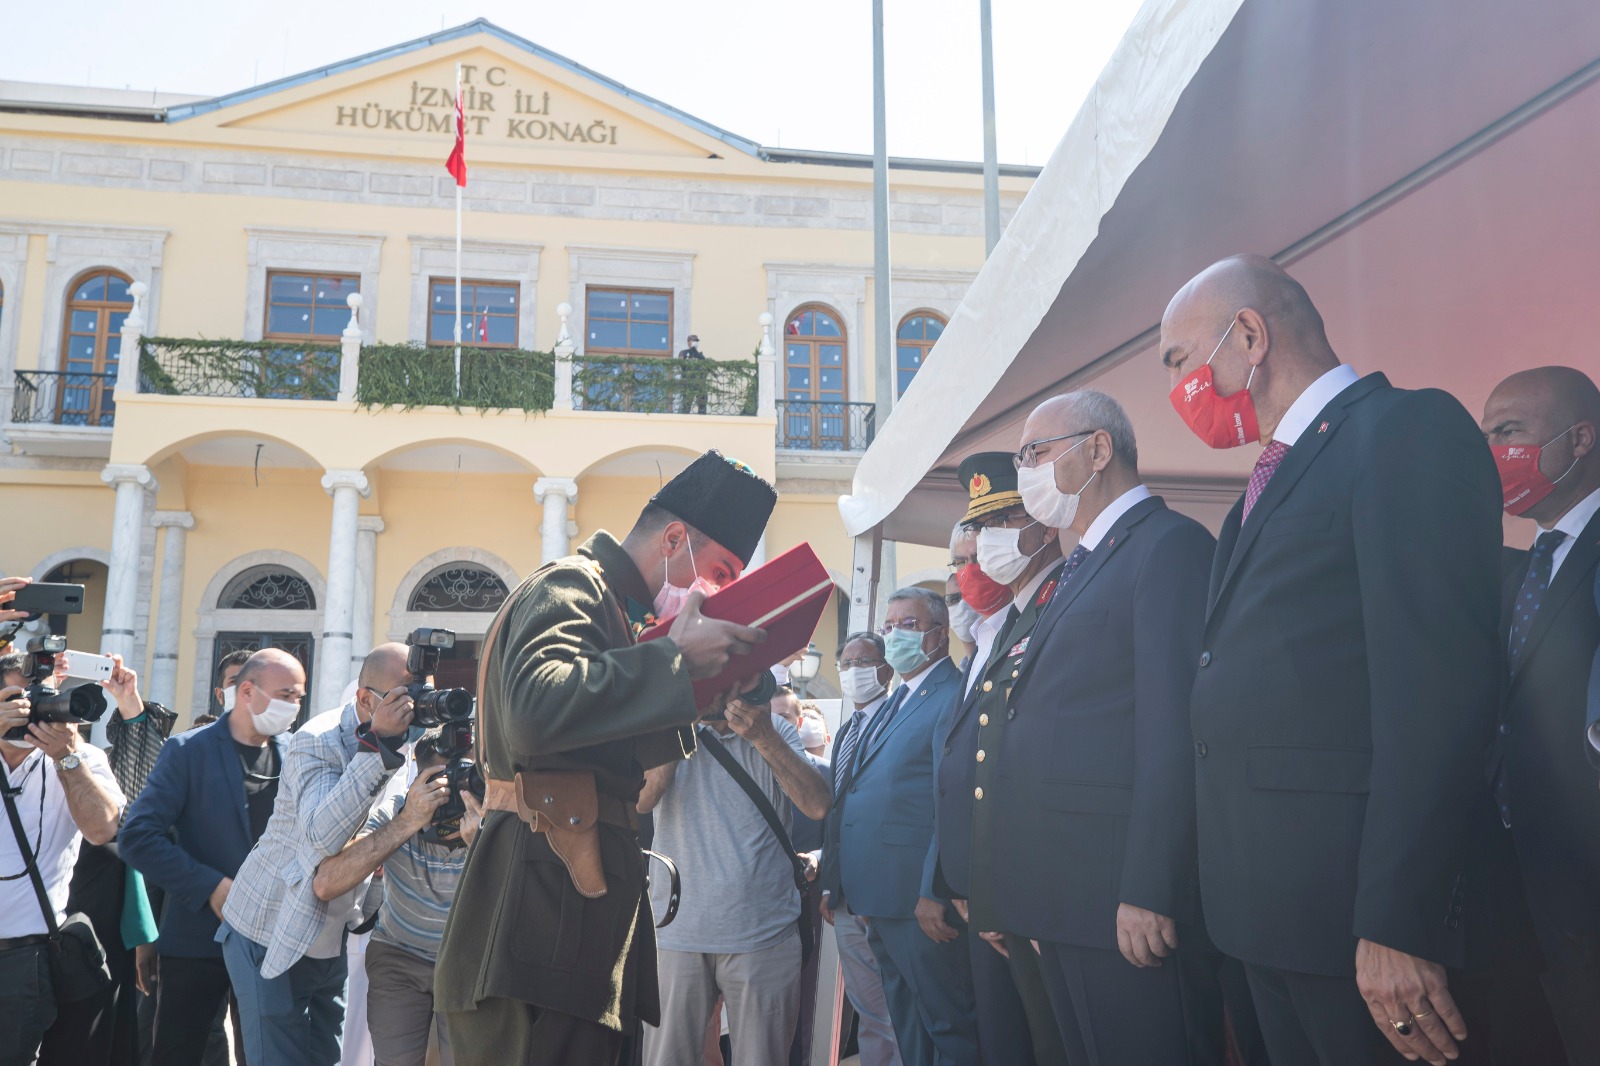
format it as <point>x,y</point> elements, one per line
<point>231,404</point>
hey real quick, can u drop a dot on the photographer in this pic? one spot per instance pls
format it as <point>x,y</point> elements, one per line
<point>63,793</point>
<point>420,877</point>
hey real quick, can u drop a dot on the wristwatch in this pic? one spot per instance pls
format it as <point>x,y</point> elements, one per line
<point>70,762</point>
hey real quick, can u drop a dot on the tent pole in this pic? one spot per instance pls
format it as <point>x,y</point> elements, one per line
<point>991,162</point>
<point>864,580</point>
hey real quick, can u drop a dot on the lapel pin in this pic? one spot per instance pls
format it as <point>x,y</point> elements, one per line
<point>1323,428</point>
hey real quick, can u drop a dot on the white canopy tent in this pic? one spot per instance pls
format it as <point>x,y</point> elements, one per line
<point>1430,170</point>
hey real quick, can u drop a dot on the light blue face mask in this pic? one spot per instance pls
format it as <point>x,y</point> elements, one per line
<point>414,733</point>
<point>902,650</point>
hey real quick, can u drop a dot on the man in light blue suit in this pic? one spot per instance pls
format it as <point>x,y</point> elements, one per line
<point>881,826</point>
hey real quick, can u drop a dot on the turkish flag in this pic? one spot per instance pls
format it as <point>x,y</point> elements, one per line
<point>457,163</point>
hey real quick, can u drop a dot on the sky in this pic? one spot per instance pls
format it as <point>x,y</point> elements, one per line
<point>785,73</point>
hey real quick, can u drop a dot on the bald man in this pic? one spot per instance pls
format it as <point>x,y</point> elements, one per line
<point>1347,677</point>
<point>284,947</point>
<point>1542,426</point>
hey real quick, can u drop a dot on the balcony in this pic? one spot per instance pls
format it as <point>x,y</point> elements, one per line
<point>62,412</point>
<point>825,425</point>
<point>172,366</point>
<point>658,385</point>
<point>492,379</point>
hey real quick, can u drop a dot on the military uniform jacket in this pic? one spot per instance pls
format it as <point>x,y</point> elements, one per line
<point>567,688</point>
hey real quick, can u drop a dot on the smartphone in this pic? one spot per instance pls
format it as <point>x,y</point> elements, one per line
<point>86,665</point>
<point>43,597</point>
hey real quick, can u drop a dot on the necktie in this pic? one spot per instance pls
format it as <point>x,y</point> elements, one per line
<point>1074,560</point>
<point>1265,467</point>
<point>847,744</point>
<point>1540,565</point>
<point>880,721</point>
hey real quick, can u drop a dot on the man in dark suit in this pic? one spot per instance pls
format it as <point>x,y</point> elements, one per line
<point>1015,1020</point>
<point>880,827</point>
<point>1347,676</point>
<point>203,807</point>
<point>1094,812</point>
<point>1542,426</point>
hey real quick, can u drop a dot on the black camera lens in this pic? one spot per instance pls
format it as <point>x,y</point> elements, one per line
<point>437,706</point>
<point>86,703</point>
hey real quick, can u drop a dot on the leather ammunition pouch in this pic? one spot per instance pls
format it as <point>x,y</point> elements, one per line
<point>566,807</point>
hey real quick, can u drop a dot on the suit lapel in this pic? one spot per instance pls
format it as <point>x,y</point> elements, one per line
<point>233,772</point>
<point>969,695</point>
<point>938,676</point>
<point>1577,572</point>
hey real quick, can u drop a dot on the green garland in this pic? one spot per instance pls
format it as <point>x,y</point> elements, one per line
<point>660,385</point>
<point>492,379</point>
<point>198,366</point>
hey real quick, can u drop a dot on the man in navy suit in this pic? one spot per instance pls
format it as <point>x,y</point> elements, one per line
<point>1542,427</point>
<point>1347,676</point>
<point>880,828</point>
<point>202,809</point>
<point>1094,809</point>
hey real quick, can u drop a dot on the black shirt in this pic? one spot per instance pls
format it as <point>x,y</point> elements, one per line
<point>261,770</point>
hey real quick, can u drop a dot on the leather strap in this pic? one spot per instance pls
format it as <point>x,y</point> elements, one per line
<point>502,796</point>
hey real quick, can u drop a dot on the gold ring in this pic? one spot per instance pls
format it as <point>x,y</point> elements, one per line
<point>1403,1028</point>
<point>1424,1014</point>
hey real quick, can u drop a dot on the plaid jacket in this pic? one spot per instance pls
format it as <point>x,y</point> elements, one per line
<point>328,789</point>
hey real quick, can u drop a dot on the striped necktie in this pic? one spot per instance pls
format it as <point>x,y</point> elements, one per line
<point>847,745</point>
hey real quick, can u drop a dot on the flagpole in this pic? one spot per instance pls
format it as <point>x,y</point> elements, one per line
<point>458,255</point>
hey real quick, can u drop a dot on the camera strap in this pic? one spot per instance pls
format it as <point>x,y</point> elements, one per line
<point>28,858</point>
<point>775,823</point>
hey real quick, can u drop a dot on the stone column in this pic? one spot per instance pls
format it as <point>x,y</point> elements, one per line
<point>350,351</point>
<point>128,353</point>
<point>163,684</point>
<point>367,529</point>
<point>555,493</point>
<point>347,487</point>
<point>117,632</point>
<point>565,347</point>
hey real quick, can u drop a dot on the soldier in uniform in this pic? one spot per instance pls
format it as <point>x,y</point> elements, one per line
<point>549,952</point>
<point>1015,1021</point>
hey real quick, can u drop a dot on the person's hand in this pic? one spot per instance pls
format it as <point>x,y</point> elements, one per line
<point>961,908</point>
<point>393,714</point>
<point>1403,989</point>
<point>930,915</point>
<point>8,592</point>
<point>753,721</point>
<point>471,821</point>
<point>426,795</point>
<point>996,941</point>
<point>13,708</point>
<point>825,905</point>
<point>144,968</point>
<point>219,896</point>
<point>123,684</point>
<point>808,864</point>
<point>1145,937</point>
<point>707,644</point>
<point>56,739</point>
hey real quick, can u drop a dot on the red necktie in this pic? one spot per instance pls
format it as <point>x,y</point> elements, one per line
<point>1266,466</point>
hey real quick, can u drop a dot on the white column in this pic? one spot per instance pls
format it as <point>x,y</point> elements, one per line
<point>350,351</point>
<point>766,371</point>
<point>367,529</point>
<point>122,580</point>
<point>163,684</point>
<point>565,346</point>
<point>347,487</point>
<point>556,493</point>
<point>128,353</point>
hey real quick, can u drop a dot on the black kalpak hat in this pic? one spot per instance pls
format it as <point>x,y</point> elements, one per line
<point>990,479</point>
<point>723,499</point>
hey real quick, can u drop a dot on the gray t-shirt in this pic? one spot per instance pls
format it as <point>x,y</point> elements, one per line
<point>738,885</point>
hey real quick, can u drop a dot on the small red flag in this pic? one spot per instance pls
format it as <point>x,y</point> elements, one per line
<point>457,163</point>
<point>483,329</point>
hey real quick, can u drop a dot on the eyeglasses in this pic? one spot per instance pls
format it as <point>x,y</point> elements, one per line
<point>956,564</point>
<point>952,598</point>
<point>1029,455</point>
<point>1002,519</point>
<point>908,626</point>
<point>851,664</point>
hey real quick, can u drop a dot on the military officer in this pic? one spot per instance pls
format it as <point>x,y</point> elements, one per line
<point>549,952</point>
<point>1015,1020</point>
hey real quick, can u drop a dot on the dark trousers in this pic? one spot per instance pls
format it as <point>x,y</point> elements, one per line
<point>102,1030</point>
<point>192,995</point>
<point>29,1003</point>
<point>805,1029</point>
<point>1574,998</point>
<point>928,987</point>
<point>513,1033</point>
<point>1004,1027</point>
<point>1112,1013</point>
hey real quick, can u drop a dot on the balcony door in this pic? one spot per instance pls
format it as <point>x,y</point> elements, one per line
<point>814,379</point>
<point>96,307</point>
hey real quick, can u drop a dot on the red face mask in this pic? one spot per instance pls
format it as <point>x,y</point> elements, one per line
<point>1221,421</point>
<point>981,592</point>
<point>1522,484</point>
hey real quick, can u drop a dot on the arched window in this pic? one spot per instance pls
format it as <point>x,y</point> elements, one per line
<point>268,588</point>
<point>912,342</point>
<point>814,380</point>
<point>459,587</point>
<point>96,305</point>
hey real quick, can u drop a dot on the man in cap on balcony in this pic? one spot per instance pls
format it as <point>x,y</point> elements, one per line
<point>549,952</point>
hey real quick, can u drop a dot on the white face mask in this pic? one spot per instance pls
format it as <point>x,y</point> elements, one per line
<point>962,619</point>
<point>670,599</point>
<point>860,684</point>
<point>279,715</point>
<point>1042,500</point>
<point>22,744</point>
<point>229,694</point>
<point>812,733</point>
<point>999,555</point>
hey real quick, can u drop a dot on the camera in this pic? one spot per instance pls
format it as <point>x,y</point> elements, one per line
<point>44,651</point>
<point>433,706</point>
<point>86,703</point>
<point>766,688</point>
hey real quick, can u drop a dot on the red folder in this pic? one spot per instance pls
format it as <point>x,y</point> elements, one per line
<point>785,597</point>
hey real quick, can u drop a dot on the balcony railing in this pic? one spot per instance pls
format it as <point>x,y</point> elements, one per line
<point>64,398</point>
<point>660,385</point>
<point>826,425</point>
<point>275,370</point>
<point>496,379</point>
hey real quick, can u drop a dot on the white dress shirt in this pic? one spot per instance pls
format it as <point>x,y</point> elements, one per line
<point>1573,523</point>
<point>1106,519</point>
<point>984,632</point>
<point>1310,403</point>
